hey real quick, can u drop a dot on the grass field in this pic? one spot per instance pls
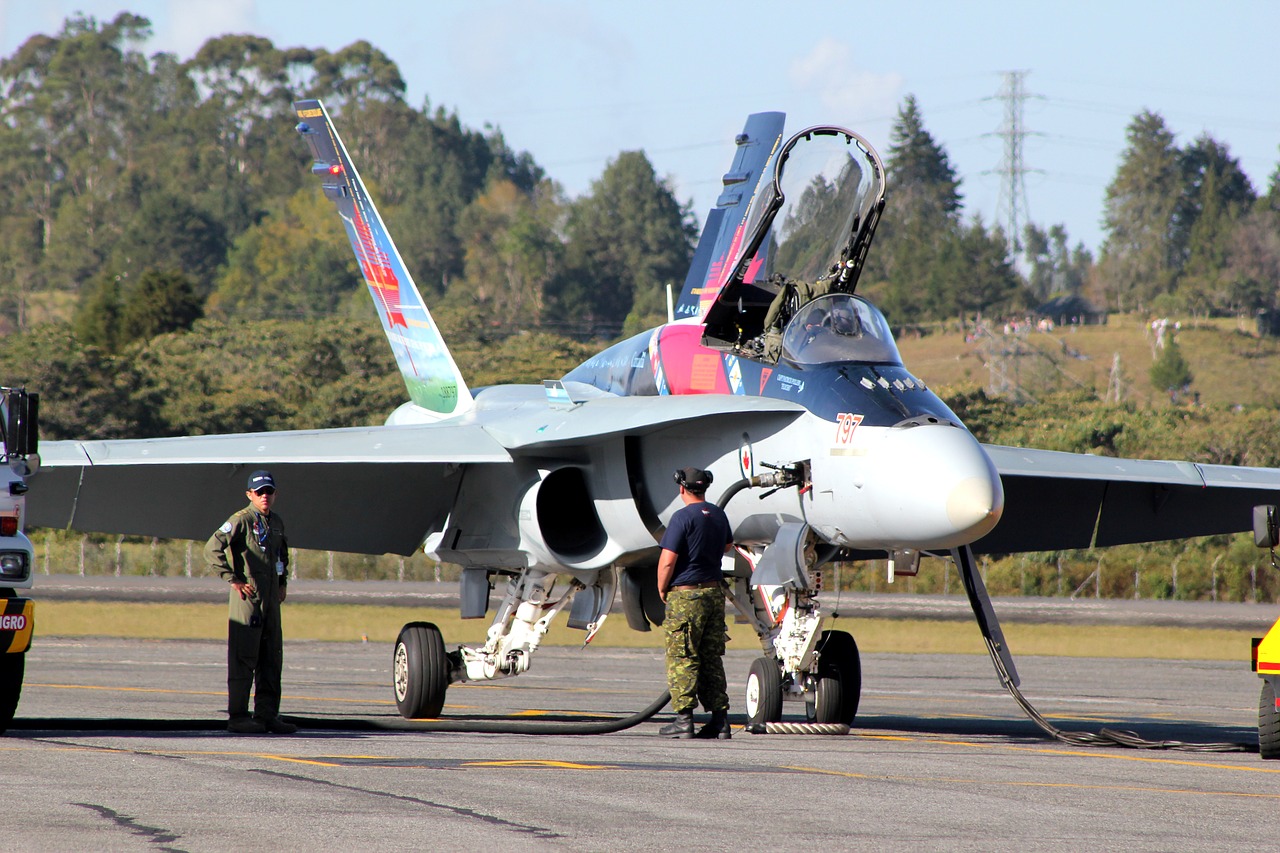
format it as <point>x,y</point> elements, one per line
<point>1230,364</point>
<point>357,623</point>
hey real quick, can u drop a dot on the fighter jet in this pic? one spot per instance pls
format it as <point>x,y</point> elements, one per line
<point>773,373</point>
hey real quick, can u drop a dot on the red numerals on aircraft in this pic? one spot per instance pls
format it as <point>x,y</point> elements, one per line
<point>846,423</point>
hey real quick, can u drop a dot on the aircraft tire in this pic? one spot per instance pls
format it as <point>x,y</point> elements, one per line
<point>840,661</point>
<point>420,671</point>
<point>12,667</point>
<point>764,692</point>
<point>828,696</point>
<point>1268,723</point>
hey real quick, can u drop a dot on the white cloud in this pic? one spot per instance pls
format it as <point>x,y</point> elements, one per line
<point>829,72</point>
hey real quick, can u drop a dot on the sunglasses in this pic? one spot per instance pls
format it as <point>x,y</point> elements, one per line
<point>265,490</point>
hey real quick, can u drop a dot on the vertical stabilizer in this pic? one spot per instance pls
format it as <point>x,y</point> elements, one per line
<point>723,233</point>
<point>430,374</point>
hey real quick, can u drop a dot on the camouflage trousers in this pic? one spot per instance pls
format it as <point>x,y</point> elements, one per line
<point>695,650</point>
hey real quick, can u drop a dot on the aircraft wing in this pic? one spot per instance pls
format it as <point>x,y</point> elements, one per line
<point>367,490</point>
<point>1056,500</point>
<point>371,490</point>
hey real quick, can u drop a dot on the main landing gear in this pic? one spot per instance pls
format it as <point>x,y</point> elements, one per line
<point>422,670</point>
<point>777,593</point>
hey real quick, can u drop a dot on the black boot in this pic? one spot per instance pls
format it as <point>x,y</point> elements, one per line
<point>681,726</point>
<point>718,728</point>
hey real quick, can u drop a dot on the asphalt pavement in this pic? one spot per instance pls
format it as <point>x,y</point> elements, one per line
<point>1080,611</point>
<point>940,758</point>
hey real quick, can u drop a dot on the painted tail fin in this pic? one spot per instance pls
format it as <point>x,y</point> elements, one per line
<point>430,374</point>
<point>723,232</point>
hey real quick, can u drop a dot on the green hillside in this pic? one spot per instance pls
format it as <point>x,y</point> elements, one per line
<point>1229,362</point>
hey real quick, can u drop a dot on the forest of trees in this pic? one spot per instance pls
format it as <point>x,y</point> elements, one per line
<point>155,198</point>
<point>169,266</point>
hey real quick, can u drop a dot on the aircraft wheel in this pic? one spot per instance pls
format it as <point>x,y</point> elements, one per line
<point>764,692</point>
<point>11,670</point>
<point>840,669</point>
<point>827,703</point>
<point>420,671</point>
<point>1268,722</point>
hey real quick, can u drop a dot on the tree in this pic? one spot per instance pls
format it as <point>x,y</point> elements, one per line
<point>627,235</point>
<point>358,72</point>
<point>921,218</point>
<point>97,319</point>
<point>85,393</point>
<point>170,233</point>
<point>1216,195</point>
<point>1140,258</point>
<point>1253,262</point>
<point>985,280</point>
<point>512,253</point>
<point>66,117</point>
<point>157,303</point>
<point>242,82</point>
<point>1170,370</point>
<point>295,263</point>
<point>1055,270</point>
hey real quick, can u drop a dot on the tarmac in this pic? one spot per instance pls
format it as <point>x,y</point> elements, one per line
<point>1077,611</point>
<point>939,758</point>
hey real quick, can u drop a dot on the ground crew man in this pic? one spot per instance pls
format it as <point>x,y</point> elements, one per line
<point>691,583</point>
<point>250,552</point>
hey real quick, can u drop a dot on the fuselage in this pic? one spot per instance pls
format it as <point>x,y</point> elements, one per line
<point>891,465</point>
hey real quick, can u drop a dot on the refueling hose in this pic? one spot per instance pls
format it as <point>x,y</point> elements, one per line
<point>501,727</point>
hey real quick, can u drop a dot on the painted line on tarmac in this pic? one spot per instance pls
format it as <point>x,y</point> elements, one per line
<point>363,761</point>
<point>31,684</point>
<point>540,763</point>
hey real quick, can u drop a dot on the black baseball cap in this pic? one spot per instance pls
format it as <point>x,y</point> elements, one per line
<point>694,479</point>
<point>261,480</point>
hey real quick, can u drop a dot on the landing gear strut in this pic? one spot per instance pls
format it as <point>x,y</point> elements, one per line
<point>777,593</point>
<point>423,670</point>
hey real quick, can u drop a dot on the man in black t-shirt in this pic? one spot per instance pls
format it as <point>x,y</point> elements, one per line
<point>690,583</point>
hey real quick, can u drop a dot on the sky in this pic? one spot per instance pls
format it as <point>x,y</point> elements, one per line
<point>575,83</point>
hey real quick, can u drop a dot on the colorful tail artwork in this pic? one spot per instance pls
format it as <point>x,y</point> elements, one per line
<point>720,244</point>
<point>430,374</point>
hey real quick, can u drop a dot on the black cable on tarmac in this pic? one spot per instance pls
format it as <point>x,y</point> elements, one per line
<point>1104,737</point>
<point>501,727</point>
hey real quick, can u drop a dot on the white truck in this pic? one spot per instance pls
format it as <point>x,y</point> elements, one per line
<point>19,438</point>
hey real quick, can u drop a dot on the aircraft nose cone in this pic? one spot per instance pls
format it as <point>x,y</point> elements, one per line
<point>936,487</point>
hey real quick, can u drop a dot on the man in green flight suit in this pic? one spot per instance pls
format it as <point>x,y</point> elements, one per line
<point>250,552</point>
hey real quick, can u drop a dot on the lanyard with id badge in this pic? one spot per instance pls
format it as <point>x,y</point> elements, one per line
<point>262,532</point>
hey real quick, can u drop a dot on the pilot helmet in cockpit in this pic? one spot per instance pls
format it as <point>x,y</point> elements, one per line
<point>843,319</point>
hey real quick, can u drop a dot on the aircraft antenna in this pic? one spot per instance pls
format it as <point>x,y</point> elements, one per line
<point>1012,210</point>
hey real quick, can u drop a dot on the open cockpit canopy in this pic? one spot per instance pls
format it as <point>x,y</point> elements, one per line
<point>806,233</point>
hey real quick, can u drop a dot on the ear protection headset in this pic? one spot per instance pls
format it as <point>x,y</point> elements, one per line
<point>683,481</point>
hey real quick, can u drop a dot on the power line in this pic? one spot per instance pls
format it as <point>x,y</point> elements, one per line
<point>1012,208</point>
